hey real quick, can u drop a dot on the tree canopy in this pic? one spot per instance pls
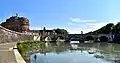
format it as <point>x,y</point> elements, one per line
<point>110,27</point>
<point>116,28</point>
<point>61,31</point>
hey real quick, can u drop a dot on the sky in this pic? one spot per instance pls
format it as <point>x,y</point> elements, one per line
<point>73,15</point>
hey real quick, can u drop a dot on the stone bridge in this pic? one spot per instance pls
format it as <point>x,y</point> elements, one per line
<point>7,35</point>
<point>99,37</point>
<point>79,37</point>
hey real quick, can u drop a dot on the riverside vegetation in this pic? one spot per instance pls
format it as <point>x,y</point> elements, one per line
<point>26,48</point>
<point>104,51</point>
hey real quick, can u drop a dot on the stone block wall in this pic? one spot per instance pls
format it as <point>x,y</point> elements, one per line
<point>7,36</point>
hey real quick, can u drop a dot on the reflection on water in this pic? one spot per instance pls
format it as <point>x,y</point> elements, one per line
<point>77,53</point>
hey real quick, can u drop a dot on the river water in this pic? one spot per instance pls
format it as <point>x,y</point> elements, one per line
<point>77,53</point>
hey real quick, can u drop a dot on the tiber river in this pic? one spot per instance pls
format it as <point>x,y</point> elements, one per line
<point>78,53</point>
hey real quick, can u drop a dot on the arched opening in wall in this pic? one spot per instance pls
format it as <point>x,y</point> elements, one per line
<point>89,38</point>
<point>47,38</point>
<point>103,39</point>
<point>60,38</point>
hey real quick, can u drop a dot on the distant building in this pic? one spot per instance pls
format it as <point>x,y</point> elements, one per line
<point>15,23</point>
<point>44,32</point>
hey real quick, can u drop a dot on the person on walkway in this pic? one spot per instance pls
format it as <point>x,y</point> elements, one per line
<point>35,56</point>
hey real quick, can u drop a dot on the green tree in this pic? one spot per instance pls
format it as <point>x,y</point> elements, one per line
<point>116,28</point>
<point>108,28</point>
<point>104,30</point>
<point>61,31</point>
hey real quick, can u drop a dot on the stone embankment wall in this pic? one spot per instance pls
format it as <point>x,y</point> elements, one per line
<point>7,36</point>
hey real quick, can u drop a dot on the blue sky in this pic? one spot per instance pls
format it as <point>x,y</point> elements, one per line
<point>73,15</point>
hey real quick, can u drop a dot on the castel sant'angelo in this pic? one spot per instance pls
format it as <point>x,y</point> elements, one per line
<point>15,23</point>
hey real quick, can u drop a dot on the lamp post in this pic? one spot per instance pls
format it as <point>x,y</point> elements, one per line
<point>111,36</point>
<point>82,36</point>
<point>96,37</point>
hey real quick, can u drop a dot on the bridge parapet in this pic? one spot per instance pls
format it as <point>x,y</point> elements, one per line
<point>100,36</point>
<point>7,35</point>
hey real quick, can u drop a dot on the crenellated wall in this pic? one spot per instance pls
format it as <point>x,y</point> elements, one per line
<point>7,36</point>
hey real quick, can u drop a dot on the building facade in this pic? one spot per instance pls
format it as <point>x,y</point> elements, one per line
<point>44,32</point>
<point>15,23</point>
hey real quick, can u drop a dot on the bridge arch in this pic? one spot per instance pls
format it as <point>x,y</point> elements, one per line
<point>87,38</point>
<point>47,38</point>
<point>103,39</point>
<point>60,38</point>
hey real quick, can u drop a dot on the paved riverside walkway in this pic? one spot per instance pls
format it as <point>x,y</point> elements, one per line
<point>7,53</point>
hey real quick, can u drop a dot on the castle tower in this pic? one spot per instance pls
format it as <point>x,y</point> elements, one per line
<point>15,23</point>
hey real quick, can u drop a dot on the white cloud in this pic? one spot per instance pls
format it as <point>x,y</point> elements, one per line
<point>91,26</point>
<point>79,20</point>
<point>35,28</point>
<point>70,30</point>
<point>73,30</point>
<point>95,26</point>
<point>47,28</point>
<point>78,30</point>
<point>70,23</point>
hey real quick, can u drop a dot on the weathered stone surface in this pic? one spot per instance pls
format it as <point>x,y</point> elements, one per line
<point>15,23</point>
<point>7,36</point>
<point>7,53</point>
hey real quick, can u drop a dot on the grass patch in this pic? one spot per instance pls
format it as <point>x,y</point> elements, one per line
<point>25,46</point>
